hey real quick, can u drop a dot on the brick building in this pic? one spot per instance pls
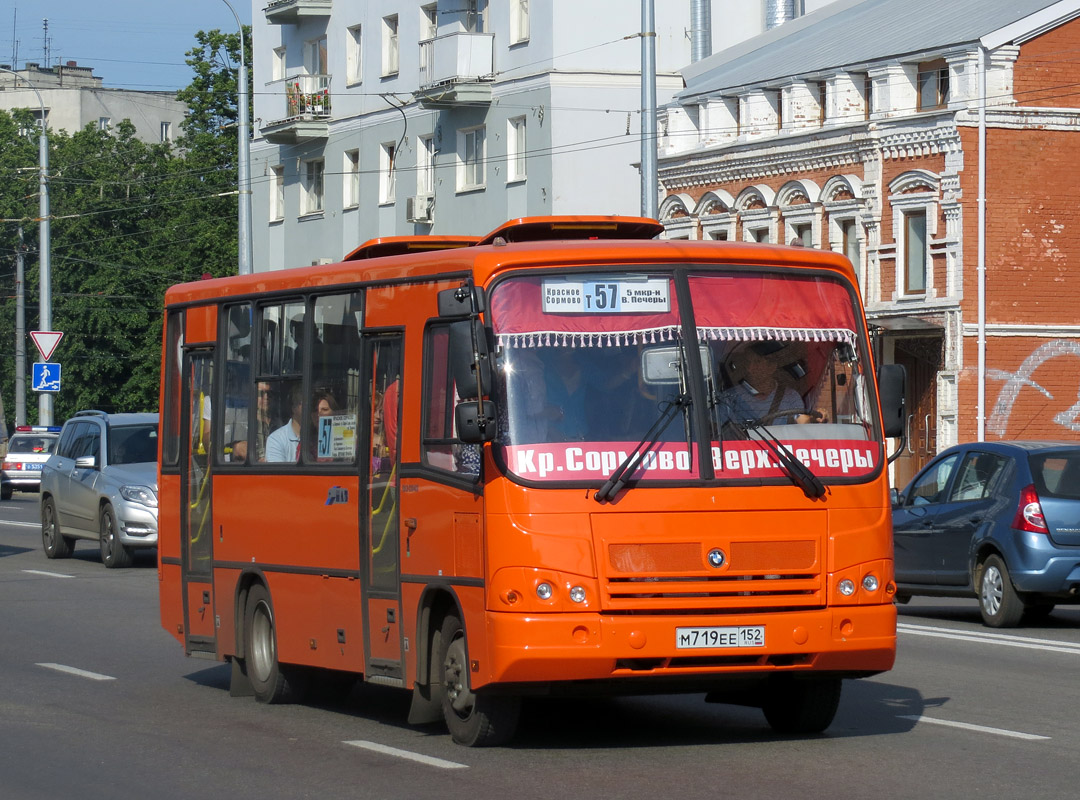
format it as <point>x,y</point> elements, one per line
<point>861,128</point>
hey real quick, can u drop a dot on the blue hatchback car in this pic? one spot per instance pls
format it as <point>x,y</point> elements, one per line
<point>999,521</point>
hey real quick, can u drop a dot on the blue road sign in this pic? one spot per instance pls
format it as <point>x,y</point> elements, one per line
<point>46,377</point>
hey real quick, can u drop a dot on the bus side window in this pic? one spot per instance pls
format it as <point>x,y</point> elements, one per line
<point>440,447</point>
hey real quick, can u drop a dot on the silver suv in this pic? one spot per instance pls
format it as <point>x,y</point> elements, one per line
<point>101,483</point>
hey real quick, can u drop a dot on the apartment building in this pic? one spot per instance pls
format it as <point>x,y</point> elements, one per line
<point>933,144</point>
<point>73,97</point>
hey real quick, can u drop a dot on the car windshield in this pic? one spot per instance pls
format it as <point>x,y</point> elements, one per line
<point>586,364</point>
<point>32,444</point>
<point>132,444</point>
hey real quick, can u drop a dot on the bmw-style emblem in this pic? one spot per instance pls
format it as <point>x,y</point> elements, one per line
<point>717,558</point>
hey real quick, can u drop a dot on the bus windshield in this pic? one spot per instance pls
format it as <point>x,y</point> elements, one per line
<point>588,364</point>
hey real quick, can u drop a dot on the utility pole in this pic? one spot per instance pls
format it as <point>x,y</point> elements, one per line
<point>649,189</point>
<point>243,176</point>
<point>20,332</point>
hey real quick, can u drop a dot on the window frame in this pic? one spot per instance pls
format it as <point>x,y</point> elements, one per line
<point>516,149</point>
<point>312,186</point>
<point>276,205</point>
<point>391,46</point>
<point>519,21</point>
<point>350,179</point>
<point>387,173</point>
<point>354,55</point>
<point>472,159</point>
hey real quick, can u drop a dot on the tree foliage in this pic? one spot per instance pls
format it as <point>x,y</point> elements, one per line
<point>129,219</point>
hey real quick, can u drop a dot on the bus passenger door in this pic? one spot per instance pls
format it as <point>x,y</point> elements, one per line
<point>196,519</point>
<point>382,592</point>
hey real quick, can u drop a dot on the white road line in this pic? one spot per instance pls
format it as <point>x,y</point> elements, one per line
<point>47,574</point>
<point>977,728</point>
<point>82,673</point>
<point>21,524</point>
<point>393,751</point>
<point>1003,639</point>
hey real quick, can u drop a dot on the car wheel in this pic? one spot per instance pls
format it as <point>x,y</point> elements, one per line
<point>801,707</point>
<point>6,492</point>
<point>999,603</point>
<point>474,720</point>
<point>56,545</point>
<point>113,553</point>
<point>271,682</point>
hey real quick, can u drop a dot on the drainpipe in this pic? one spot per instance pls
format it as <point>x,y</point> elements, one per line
<point>700,29</point>
<point>777,12</point>
<point>981,267</point>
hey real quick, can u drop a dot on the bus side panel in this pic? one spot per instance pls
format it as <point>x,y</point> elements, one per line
<point>448,537</point>
<point>309,613</point>
<point>225,581</point>
<point>169,575</point>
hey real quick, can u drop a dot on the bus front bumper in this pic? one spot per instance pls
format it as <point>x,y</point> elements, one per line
<point>851,641</point>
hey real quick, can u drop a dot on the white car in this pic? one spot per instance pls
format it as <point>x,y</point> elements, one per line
<point>28,450</point>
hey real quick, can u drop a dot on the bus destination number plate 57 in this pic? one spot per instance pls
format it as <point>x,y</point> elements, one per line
<point>710,638</point>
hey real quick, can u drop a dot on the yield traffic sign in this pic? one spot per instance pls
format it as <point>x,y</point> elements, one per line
<point>46,342</point>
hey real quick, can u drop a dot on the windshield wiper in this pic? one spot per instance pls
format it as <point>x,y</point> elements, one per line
<point>800,474</point>
<point>625,469</point>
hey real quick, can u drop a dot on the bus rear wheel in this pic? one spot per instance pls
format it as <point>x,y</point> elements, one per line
<point>474,720</point>
<point>270,682</point>
<point>801,706</point>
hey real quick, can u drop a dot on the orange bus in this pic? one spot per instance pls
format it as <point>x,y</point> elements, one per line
<point>566,457</point>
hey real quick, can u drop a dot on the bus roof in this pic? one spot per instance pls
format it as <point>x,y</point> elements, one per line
<point>526,242</point>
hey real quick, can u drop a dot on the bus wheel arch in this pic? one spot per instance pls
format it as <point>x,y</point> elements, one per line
<point>435,603</point>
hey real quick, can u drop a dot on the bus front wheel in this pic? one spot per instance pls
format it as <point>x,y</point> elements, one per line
<point>270,682</point>
<point>801,707</point>
<point>474,720</point>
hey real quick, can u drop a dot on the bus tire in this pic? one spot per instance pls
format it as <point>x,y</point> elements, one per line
<point>55,543</point>
<point>474,720</point>
<point>801,706</point>
<point>270,682</point>
<point>113,553</point>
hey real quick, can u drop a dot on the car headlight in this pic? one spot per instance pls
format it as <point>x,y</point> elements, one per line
<point>143,495</point>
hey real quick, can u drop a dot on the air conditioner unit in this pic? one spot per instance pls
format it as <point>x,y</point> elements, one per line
<point>418,208</point>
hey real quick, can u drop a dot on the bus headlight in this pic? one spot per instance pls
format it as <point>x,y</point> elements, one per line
<point>577,594</point>
<point>543,591</point>
<point>846,587</point>
<point>870,583</point>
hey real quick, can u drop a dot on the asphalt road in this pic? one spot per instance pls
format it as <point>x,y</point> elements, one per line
<point>98,701</point>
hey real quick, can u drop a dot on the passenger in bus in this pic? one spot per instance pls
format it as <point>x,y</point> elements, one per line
<point>759,388</point>
<point>237,451</point>
<point>283,445</point>
<point>324,405</point>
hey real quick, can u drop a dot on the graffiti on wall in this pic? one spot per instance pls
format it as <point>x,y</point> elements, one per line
<point>998,421</point>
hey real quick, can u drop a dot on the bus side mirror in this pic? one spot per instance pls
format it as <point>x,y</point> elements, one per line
<point>464,301</point>
<point>475,421</point>
<point>469,358</point>
<point>892,381</point>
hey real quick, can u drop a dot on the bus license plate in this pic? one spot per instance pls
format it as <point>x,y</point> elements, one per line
<point>711,638</point>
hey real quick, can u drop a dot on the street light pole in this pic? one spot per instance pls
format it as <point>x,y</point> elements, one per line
<point>243,159</point>
<point>45,399</point>
<point>649,178</point>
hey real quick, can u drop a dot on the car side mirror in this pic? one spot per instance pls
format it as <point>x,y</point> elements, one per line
<point>85,462</point>
<point>895,497</point>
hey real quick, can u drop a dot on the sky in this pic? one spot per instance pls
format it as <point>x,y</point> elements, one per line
<point>131,44</point>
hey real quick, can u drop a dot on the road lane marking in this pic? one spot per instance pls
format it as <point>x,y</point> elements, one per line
<point>21,524</point>
<point>1004,639</point>
<point>431,761</point>
<point>977,728</point>
<point>47,574</point>
<point>82,673</point>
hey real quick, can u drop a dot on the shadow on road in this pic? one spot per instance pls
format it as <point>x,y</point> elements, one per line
<point>10,550</point>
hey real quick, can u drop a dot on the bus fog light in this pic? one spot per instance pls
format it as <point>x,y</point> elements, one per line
<point>577,594</point>
<point>846,587</point>
<point>870,583</point>
<point>543,591</point>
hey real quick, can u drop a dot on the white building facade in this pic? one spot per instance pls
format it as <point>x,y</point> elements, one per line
<point>74,97</point>
<point>385,118</point>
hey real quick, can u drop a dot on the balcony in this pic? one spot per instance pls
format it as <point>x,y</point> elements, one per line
<point>305,109</point>
<point>456,68</point>
<point>292,12</point>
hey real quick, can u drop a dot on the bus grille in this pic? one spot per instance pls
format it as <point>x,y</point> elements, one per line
<point>673,576</point>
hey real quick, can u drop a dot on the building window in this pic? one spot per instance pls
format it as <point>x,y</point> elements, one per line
<point>351,179</point>
<point>475,16</point>
<point>387,172</point>
<point>312,185</point>
<point>515,149</point>
<point>915,252</point>
<point>390,45</point>
<point>104,124</point>
<point>354,71</point>
<point>425,165</point>
<point>471,158</point>
<point>277,64</point>
<point>933,84</point>
<point>849,232</point>
<point>822,99</point>
<point>802,235</point>
<point>429,22</point>
<point>868,96</point>
<point>166,131</point>
<point>315,58</point>
<point>519,21</point>
<point>277,193</point>
<point>757,235</point>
